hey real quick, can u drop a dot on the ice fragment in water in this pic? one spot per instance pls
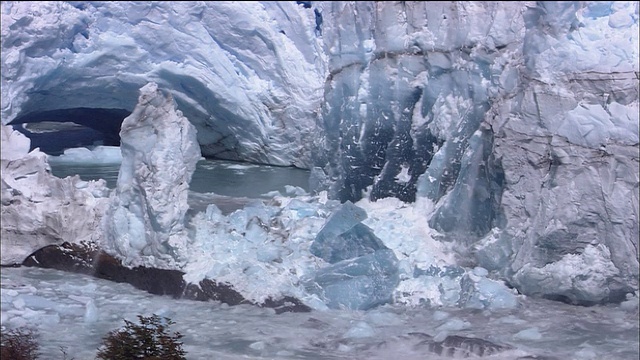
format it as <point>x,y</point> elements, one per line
<point>360,284</point>
<point>483,293</point>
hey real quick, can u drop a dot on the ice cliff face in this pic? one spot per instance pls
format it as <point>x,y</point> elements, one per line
<point>518,120</point>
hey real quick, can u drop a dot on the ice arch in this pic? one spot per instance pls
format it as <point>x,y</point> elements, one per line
<point>245,77</point>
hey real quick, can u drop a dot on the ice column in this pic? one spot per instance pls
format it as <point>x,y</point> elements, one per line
<point>145,221</point>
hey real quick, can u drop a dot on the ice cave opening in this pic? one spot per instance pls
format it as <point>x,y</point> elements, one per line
<point>53,131</point>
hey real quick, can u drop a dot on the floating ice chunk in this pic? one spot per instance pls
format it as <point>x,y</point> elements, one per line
<point>272,194</point>
<point>440,315</point>
<point>454,324</point>
<point>258,345</point>
<point>631,303</point>
<point>434,286</point>
<point>213,213</point>
<point>580,278</point>
<point>528,334</point>
<point>622,19</point>
<point>383,318</point>
<point>360,284</point>
<point>597,9</point>
<point>360,330</point>
<point>145,221</point>
<point>510,319</point>
<point>91,313</point>
<point>453,286</point>
<point>480,292</point>
<point>18,303</point>
<point>34,302</point>
<point>480,271</point>
<point>95,155</point>
<point>424,291</point>
<point>294,190</point>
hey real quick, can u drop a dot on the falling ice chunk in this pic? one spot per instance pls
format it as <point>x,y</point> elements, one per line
<point>359,284</point>
<point>357,241</point>
<point>346,217</point>
<point>344,237</point>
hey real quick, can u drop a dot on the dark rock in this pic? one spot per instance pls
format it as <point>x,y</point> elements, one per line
<point>84,259</point>
<point>154,281</point>
<point>209,289</point>
<point>74,258</point>
<point>89,260</point>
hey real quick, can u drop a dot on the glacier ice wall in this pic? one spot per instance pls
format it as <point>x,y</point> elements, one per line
<point>520,120</point>
<point>145,222</point>
<point>247,76</point>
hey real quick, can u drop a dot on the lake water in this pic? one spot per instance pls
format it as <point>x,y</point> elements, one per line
<point>221,177</point>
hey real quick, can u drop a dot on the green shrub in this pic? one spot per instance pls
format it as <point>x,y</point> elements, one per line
<point>147,340</point>
<point>19,344</point>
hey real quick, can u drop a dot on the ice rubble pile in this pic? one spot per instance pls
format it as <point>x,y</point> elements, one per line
<point>39,209</point>
<point>287,247</point>
<point>517,122</point>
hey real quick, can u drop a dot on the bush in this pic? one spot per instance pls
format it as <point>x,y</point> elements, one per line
<point>148,341</point>
<point>19,344</point>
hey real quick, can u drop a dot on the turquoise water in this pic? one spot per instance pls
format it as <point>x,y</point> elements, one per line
<point>211,176</point>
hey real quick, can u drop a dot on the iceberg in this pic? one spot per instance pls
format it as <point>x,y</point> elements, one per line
<point>508,131</point>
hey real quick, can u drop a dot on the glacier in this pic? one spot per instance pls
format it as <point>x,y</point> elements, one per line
<point>492,146</point>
